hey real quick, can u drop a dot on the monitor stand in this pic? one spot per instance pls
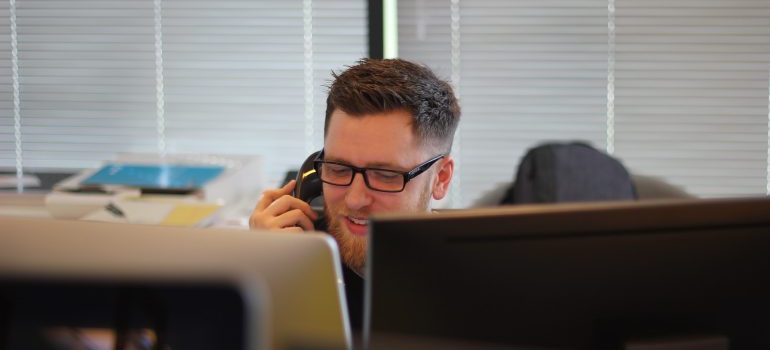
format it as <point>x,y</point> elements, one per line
<point>706,342</point>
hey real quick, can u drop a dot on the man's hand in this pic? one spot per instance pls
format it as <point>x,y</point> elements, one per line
<point>278,210</point>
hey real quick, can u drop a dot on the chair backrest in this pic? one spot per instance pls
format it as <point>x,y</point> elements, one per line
<point>571,172</point>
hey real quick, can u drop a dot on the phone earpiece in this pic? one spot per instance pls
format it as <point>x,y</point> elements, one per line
<point>309,187</point>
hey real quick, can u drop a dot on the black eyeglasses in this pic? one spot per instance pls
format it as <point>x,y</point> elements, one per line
<point>383,180</point>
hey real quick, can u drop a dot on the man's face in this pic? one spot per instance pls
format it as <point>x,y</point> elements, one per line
<point>383,141</point>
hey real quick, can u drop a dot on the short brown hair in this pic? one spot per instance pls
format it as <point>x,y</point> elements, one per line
<point>376,86</point>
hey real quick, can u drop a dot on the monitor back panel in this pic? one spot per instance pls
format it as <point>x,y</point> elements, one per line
<point>576,276</point>
<point>101,315</point>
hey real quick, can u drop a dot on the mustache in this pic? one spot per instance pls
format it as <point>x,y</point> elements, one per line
<point>355,214</point>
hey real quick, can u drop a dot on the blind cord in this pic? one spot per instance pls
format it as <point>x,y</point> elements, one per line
<point>307,25</point>
<point>456,192</point>
<point>160,97</point>
<point>610,128</point>
<point>16,100</point>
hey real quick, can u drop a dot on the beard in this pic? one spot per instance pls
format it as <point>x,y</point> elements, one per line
<point>353,248</point>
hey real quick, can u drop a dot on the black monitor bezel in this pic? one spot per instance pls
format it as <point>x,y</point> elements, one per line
<point>558,222</point>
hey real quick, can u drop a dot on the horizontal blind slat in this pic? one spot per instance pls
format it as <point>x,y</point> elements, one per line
<point>233,77</point>
<point>690,87</point>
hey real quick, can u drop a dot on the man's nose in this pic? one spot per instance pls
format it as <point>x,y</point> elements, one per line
<point>358,195</point>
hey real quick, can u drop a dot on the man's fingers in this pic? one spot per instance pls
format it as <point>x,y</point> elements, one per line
<point>287,203</point>
<point>288,187</point>
<point>269,196</point>
<point>295,229</point>
<point>278,210</point>
<point>293,218</point>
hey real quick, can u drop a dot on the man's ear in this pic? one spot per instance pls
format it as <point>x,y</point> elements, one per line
<point>443,177</point>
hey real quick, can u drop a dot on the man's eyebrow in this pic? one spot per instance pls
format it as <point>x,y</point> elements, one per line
<point>382,165</point>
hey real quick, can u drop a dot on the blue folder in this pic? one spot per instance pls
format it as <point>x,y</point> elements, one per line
<point>151,176</point>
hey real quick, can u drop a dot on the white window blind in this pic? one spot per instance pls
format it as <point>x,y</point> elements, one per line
<point>679,89</point>
<point>692,92</point>
<point>7,143</point>
<point>530,71</point>
<point>233,78</point>
<point>339,40</point>
<point>230,77</point>
<point>86,73</point>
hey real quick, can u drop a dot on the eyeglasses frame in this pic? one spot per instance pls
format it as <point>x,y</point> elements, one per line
<point>408,175</point>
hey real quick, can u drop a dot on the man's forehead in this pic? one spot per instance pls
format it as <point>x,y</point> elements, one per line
<point>402,115</point>
<point>374,159</point>
<point>396,125</point>
<point>375,139</point>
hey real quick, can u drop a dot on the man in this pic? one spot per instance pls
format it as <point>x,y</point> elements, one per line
<point>387,140</point>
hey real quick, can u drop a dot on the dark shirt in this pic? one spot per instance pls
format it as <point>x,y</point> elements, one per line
<point>354,290</point>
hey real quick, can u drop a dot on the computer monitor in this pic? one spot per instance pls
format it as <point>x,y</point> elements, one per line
<point>579,276</point>
<point>67,283</point>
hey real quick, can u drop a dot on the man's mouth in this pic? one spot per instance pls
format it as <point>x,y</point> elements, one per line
<point>357,221</point>
<point>356,225</point>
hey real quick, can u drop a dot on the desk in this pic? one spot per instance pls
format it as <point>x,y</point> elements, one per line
<point>31,204</point>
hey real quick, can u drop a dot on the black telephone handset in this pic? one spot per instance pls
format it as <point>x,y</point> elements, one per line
<point>309,188</point>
